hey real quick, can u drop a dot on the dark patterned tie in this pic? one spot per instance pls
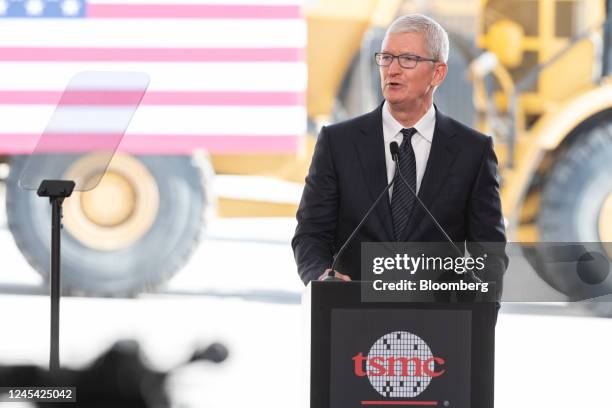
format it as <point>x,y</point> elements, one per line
<point>402,200</point>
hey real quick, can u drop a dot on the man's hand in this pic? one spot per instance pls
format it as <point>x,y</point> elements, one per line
<point>345,278</point>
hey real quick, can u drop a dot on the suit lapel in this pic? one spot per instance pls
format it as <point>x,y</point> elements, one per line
<point>443,151</point>
<point>370,147</point>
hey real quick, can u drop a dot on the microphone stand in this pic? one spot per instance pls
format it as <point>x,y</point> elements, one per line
<point>331,277</point>
<point>470,273</point>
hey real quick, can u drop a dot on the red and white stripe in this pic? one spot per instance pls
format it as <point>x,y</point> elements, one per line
<point>225,78</point>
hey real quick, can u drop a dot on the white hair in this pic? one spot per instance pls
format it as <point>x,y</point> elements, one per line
<point>436,38</point>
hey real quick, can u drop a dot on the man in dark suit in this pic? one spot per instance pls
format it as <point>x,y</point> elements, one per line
<point>452,167</point>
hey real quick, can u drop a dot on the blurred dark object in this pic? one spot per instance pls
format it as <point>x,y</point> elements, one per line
<point>120,377</point>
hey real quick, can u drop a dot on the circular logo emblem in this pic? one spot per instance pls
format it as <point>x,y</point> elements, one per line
<point>398,363</point>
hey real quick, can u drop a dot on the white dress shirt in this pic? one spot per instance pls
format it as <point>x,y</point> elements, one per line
<point>421,141</point>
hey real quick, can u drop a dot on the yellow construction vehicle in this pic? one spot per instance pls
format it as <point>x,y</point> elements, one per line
<point>537,72</point>
<point>539,78</point>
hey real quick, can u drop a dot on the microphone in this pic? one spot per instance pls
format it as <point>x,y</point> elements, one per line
<point>424,207</point>
<point>332,274</point>
<point>394,153</point>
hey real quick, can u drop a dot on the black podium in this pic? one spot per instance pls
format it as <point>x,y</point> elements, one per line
<point>411,353</point>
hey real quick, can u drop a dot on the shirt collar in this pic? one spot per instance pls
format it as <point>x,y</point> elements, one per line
<point>424,126</point>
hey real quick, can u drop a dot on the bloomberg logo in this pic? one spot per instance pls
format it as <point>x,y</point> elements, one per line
<point>399,364</point>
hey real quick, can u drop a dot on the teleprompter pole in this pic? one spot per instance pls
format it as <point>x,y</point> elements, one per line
<point>56,190</point>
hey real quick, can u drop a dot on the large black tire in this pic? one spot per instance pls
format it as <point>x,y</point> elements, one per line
<point>126,271</point>
<point>573,197</point>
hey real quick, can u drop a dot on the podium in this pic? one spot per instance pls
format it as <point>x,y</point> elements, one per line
<point>409,353</point>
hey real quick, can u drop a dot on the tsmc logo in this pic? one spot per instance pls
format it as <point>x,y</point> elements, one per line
<point>399,364</point>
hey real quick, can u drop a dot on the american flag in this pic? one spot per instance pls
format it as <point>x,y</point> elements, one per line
<point>229,78</point>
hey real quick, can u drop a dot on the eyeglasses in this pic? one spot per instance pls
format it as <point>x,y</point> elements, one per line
<point>407,61</point>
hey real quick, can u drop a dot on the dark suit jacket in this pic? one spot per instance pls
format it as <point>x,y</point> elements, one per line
<point>348,171</point>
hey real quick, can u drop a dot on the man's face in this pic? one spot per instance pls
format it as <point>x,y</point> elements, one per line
<point>409,86</point>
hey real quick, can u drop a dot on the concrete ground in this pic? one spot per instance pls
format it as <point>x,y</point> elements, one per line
<point>241,289</point>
